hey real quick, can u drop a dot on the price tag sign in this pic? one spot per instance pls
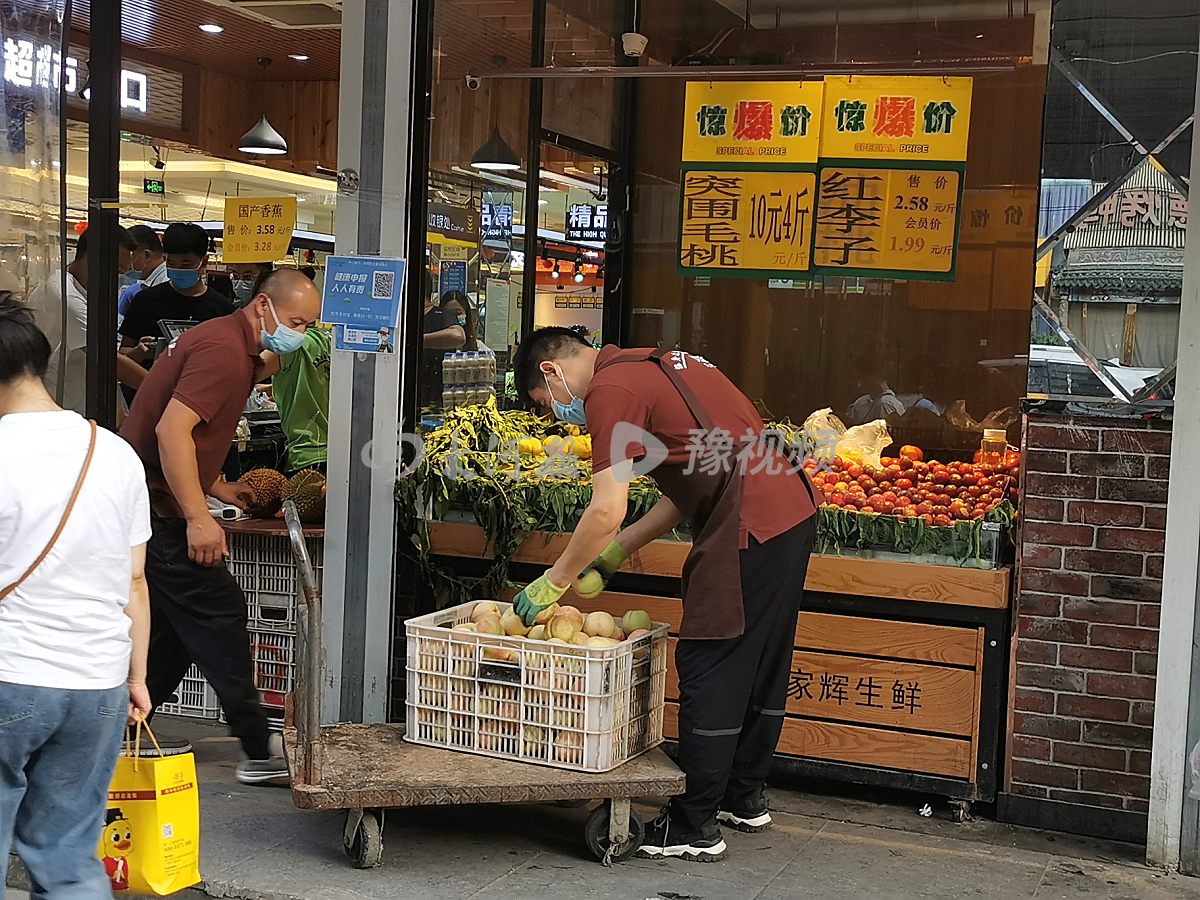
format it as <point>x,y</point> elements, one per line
<point>746,222</point>
<point>902,222</point>
<point>257,229</point>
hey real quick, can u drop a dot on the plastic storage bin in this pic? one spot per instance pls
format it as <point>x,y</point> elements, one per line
<point>580,708</point>
<point>263,566</point>
<point>194,698</point>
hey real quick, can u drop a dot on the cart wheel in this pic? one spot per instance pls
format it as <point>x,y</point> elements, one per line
<point>960,811</point>
<point>595,835</point>
<point>365,848</point>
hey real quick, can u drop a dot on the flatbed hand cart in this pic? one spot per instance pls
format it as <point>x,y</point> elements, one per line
<point>367,769</point>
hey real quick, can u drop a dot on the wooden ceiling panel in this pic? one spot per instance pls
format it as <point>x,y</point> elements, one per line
<point>172,29</point>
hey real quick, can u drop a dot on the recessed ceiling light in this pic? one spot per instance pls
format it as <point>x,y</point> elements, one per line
<point>979,37</point>
<point>298,57</point>
<point>210,28</point>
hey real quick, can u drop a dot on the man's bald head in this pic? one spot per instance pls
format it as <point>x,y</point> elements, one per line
<point>294,299</point>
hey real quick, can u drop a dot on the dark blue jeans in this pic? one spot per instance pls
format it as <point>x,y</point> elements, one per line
<point>58,749</point>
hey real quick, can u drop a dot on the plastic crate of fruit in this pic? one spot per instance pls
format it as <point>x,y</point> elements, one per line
<point>579,694</point>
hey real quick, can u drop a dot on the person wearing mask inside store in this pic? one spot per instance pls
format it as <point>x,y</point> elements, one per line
<point>149,267</point>
<point>301,391</point>
<point>752,526</point>
<point>442,334</point>
<point>46,303</point>
<point>458,305</point>
<point>182,423</point>
<point>246,277</point>
<point>183,296</point>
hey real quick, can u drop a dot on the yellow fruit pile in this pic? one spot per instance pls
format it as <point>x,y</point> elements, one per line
<point>556,625</point>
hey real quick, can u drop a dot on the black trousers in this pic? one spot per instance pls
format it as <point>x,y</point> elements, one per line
<point>732,693</point>
<point>198,614</point>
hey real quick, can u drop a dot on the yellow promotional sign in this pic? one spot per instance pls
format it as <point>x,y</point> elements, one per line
<point>746,221</point>
<point>999,216</point>
<point>752,121</point>
<point>454,252</point>
<point>887,220</point>
<point>257,229</point>
<point>896,117</point>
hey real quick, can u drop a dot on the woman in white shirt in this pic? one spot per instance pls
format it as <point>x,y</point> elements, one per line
<point>74,617</point>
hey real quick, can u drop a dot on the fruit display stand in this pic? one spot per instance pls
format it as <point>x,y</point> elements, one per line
<point>898,674</point>
<point>367,769</point>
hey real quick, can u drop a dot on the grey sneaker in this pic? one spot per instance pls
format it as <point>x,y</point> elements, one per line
<point>266,771</point>
<point>263,771</point>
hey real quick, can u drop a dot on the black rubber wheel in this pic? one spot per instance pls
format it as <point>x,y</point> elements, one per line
<point>366,847</point>
<point>595,835</point>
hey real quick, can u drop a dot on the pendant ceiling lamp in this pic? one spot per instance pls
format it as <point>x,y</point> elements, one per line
<point>496,155</point>
<point>262,139</point>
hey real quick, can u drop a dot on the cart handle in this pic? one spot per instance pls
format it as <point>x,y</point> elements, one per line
<point>306,705</point>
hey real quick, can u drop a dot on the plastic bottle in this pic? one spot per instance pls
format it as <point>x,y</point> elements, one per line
<point>447,397</point>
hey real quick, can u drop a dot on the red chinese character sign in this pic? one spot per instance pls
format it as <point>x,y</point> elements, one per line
<point>752,121</point>
<point>896,117</point>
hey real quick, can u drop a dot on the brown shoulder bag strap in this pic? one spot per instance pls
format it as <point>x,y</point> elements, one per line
<point>62,523</point>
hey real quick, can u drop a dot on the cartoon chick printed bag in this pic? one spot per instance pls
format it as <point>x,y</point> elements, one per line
<point>150,843</point>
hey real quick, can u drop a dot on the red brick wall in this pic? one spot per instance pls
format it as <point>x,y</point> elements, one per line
<point>1089,584</point>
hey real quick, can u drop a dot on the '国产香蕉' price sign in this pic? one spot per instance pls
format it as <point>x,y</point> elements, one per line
<point>257,229</point>
<point>898,222</point>
<point>746,221</point>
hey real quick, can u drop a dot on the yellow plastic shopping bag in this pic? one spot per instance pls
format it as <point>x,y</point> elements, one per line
<point>151,838</point>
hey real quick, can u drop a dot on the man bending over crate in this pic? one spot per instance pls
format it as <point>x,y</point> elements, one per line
<point>182,424</point>
<point>753,523</point>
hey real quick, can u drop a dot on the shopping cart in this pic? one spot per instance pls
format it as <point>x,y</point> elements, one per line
<point>367,769</point>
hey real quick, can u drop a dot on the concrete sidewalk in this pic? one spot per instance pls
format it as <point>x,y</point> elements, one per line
<point>257,846</point>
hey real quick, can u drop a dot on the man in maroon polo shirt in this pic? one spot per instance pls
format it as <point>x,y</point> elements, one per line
<point>182,423</point>
<point>752,518</point>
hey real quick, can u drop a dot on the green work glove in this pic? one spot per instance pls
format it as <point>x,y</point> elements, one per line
<point>536,596</point>
<point>593,579</point>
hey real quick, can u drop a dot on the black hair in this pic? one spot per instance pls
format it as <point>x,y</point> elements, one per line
<point>541,345</point>
<point>465,302</point>
<point>185,237</point>
<point>145,238</point>
<point>124,239</point>
<point>222,284</point>
<point>24,349</point>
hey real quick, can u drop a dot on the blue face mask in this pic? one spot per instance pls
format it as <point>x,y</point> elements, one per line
<point>572,413</point>
<point>285,340</point>
<point>183,279</point>
<point>243,290</point>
